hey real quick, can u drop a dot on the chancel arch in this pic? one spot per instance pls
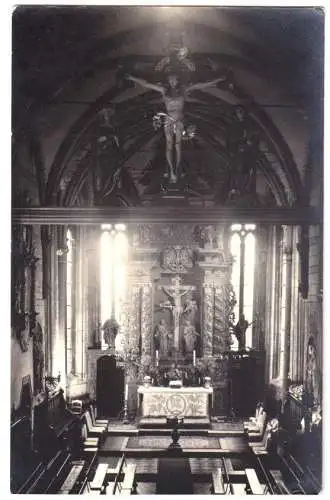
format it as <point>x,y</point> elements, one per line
<point>167,246</point>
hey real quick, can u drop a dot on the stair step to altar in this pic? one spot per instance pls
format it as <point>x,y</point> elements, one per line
<point>167,432</point>
<point>160,422</point>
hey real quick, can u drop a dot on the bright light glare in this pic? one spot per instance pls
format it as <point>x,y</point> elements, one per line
<point>249,284</point>
<point>120,270</point>
<point>106,275</point>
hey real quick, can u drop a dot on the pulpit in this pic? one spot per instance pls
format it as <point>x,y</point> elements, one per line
<point>179,402</point>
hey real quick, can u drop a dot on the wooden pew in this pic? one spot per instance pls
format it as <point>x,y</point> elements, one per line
<point>261,448</point>
<point>253,482</point>
<point>72,477</point>
<point>218,487</point>
<point>97,421</point>
<point>228,465</point>
<point>257,433</point>
<point>45,479</point>
<point>88,442</point>
<point>277,478</point>
<point>99,477</point>
<point>92,430</point>
<point>128,486</point>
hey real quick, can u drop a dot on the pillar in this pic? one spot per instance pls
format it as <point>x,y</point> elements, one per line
<point>285,331</point>
<point>208,319</point>
<point>146,319</point>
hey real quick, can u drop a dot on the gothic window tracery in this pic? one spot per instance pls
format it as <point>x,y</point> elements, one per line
<point>113,273</point>
<point>242,247</point>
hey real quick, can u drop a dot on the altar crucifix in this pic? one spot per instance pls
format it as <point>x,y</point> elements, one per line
<point>175,292</point>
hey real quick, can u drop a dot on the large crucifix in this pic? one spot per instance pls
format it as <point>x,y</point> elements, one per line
<point>175,292</point>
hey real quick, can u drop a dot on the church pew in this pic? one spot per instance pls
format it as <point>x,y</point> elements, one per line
<point>218,487</point>
<point>57,478</point>
<point>128,486</point>
<point>301,479</point>
<point>278,480</point>
<point>228,465</point>
<point>253,482</point>
<point>72,477</point>
<point>97,421</point>
<point>257,434</point>
<point>92,430</point>
<point>99,478</point>
<point>50,470</point>
<point>89,459</point>
<point>88,441</point>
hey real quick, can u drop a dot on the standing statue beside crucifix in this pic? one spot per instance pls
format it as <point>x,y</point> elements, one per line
<point>174,96</point>
<point>175,292</point>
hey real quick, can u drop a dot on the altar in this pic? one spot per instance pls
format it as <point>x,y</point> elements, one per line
<point>179,402</point>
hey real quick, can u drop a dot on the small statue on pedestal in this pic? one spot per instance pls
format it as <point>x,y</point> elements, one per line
<point>110,330</point>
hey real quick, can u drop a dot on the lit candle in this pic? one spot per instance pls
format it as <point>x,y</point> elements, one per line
<point>194,357</point>
<point>126,392</point>
<point>156,357</point>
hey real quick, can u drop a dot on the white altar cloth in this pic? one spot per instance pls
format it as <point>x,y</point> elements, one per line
<point>183,402</point>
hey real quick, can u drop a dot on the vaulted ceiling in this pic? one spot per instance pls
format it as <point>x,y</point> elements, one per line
<point>83,134</point>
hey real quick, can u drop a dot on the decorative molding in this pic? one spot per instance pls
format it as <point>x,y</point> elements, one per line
<point>162,215</point>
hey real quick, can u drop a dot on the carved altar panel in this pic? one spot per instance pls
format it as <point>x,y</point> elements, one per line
<point>184,402</point>
<point>193,316</point>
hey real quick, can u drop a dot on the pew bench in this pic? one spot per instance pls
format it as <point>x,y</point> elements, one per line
<point>92,429</point>
<point>218,487</point>
<point>228,465</point>
<point>99,478</point>
<point>128,486</point>
<point>253,482</point>
<point>277,477</point>
<point>97,422</point>
<point>72,477</point>
<point>88,442</point>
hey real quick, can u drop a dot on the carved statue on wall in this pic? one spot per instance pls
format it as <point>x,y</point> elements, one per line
<point>190,309</point>
<point>174,96</point>
<point>208,235</point>
<point>243,145</point>
<point>110,330</point>
<point>23,284</point>
<point>178,258</point>
<point>162,338</point>
<point>240,331</point>
<point>312,385</point>
<point>175,292</point>
<point>38,358</point>
<point>189,336</point>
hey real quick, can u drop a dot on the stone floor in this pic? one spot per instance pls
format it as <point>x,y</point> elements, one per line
<point>122,437</point>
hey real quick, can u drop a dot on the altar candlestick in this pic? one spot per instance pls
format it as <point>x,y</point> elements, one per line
<point>157,360</point>
<point>194,357</point>
<point>126,392</point>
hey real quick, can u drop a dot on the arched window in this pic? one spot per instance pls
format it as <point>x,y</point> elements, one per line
<point>242,247</point>
<point>113,272</point>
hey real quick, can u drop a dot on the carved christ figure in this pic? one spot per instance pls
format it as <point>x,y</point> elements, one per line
<point>174,96</point>
<point>176,291</point>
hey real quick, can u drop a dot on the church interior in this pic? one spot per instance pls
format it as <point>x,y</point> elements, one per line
<point>166,250</point>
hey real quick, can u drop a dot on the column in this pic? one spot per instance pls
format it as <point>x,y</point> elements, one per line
<point>93,258</point>
<point>285,332</point>
<point>208,316</point>
<point>260,290</point>
<point>221,335</point>
<point>146,319</point>
<point>134,317</point>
